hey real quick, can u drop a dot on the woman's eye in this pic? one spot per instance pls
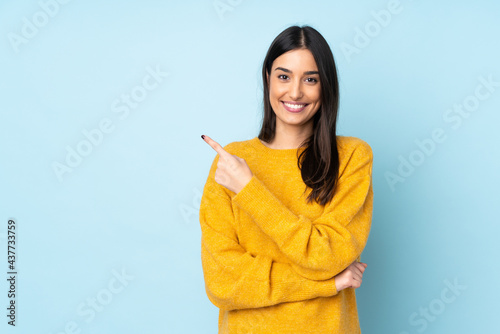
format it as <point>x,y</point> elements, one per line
<point>313,80</point>
<point>282,75</point>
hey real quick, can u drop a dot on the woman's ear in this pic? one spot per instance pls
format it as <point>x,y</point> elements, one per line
<point>267,78</point>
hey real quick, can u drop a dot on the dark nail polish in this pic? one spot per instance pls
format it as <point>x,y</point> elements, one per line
<point>203,136</point>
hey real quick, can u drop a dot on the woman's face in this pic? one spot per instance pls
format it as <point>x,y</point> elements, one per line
<point>294,88</point>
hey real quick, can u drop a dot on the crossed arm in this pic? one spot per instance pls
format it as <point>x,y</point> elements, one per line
<point>317,250</point>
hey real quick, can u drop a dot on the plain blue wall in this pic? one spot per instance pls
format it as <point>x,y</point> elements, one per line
<point>113,246</point>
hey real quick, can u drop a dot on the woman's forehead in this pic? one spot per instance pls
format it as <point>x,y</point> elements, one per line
<point>301,60</point>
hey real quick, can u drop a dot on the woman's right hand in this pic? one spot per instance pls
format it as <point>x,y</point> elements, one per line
<point>350,277</point>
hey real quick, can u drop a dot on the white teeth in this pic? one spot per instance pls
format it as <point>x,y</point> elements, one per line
<point>295,106</point>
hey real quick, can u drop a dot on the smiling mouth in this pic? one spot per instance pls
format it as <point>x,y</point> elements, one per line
<point>294,107</point>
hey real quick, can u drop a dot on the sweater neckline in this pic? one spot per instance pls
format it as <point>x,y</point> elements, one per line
<point>282,153</point>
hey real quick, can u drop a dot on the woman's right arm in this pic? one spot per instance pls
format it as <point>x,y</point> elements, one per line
<point>237,279</point>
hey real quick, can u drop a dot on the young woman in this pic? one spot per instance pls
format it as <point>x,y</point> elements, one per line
<point>285,216</point>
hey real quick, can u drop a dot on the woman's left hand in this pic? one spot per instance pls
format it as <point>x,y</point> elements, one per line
<point>232,171</point>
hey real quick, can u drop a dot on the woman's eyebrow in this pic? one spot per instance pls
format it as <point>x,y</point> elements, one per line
<point>288,71</point>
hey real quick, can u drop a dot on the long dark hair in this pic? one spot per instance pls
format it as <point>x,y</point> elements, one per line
<point>319,162</point>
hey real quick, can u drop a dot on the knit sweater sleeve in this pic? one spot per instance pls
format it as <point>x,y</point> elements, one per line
<point>322,248</point>
<point>237,279</point>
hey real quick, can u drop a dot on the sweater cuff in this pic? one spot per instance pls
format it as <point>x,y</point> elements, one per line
<point>254,189</point>
<point>324,288</point>
<point>266,210</point>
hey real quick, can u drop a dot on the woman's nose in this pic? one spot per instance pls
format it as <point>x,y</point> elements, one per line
<point>295,90</point>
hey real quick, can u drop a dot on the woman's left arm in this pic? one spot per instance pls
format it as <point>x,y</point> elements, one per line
<point>322,248</point>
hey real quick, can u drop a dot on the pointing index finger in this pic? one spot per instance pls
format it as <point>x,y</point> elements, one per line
<point>217,147</point>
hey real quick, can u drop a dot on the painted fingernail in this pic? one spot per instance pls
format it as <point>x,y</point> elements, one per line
<point>203,136</point>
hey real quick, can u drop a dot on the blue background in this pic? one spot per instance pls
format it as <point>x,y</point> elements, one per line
<point>130,207</point>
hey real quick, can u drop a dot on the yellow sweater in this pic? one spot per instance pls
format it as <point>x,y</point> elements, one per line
<point>269,258</point>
